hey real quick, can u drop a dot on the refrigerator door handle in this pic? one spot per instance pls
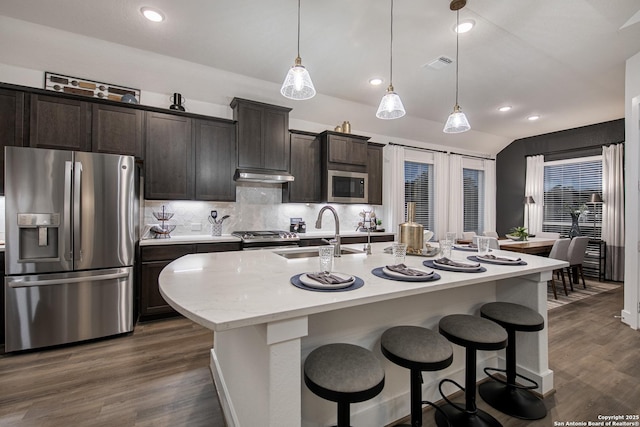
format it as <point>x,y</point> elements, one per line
<point>77,207</point>
<point>18,283</point>
<point>68,171</point>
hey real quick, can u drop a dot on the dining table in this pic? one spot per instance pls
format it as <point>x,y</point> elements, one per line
<point>531,246</point>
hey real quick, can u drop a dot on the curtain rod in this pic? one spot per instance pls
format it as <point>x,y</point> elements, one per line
<point>432,150</point>
<point>577,149</point>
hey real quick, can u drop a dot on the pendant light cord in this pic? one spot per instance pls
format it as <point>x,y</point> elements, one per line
<point>298,28</point>
<point>457,49</point>
<point>391,50</point>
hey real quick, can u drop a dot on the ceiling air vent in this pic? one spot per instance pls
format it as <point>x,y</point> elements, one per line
<point>439,63</point>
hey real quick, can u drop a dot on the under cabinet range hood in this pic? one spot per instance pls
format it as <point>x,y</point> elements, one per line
<point>262,176</point>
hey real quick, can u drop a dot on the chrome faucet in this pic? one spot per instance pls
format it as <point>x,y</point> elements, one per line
<point>336,241</point>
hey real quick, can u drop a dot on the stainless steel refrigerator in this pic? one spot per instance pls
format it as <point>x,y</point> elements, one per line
<point>71,226</point>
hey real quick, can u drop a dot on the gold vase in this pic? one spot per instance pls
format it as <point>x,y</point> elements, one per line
<point>411,232</point>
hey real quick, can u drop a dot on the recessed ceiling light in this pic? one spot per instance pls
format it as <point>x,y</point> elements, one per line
<point>376,81</point>
<point>153,15</point>
<point>465,26</point>
<point>533,117</point>
<point>505,108</point>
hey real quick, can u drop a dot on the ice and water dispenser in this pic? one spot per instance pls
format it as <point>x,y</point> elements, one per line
<point>38,236</point>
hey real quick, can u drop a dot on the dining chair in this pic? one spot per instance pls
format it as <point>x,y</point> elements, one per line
<point>493,243</point>
<point>559,251</point>
<point>548,235</point>
<point>491,234</point>
<point>468,235</point>
<point>575,257</point>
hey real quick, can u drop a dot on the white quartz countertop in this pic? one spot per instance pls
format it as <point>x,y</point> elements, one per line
<point>207,238</point>
<point>226,290</point>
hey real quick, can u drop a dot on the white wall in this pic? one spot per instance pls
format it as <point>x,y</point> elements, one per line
<point>632,186</point>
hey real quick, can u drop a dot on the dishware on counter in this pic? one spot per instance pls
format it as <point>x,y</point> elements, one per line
<point>399,251</point>
<point>498,259</point>
<point>325,255</point>
<point>451,235</point>
<point>216,224</point>
<point>445,247</point>
<point>460,266</point>
<point>162,230</point>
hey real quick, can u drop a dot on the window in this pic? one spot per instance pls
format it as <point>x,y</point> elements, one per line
<point>473,200</point>
<point>418,187</point>
<point>568,185</point>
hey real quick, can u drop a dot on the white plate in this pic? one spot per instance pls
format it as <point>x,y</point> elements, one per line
<point>308,281</point>
<point>395,274</point>
<point>503,260</point>
<point>468,265</point>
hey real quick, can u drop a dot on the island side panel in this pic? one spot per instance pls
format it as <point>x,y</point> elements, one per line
<point>532,348</point>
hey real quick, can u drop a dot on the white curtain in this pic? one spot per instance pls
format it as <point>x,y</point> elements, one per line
<point>456,195</point>
<point>441,178</point>
<point>613,209</point>
<point>534,187</point>
<point>489,195</point>
<point>393,186</point>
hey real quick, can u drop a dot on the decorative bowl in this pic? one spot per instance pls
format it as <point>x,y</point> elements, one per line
<point>516,238</point>
<point>163,216</point>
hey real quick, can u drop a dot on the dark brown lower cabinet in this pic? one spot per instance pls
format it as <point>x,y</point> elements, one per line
<point>153,259</point>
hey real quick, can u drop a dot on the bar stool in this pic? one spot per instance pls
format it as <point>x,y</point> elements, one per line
<point>508,396</point>
<point>417,349</point>
<point>343,373</point>
<point>473,333</point>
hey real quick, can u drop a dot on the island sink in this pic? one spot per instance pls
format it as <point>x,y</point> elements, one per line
<point>308,253</point>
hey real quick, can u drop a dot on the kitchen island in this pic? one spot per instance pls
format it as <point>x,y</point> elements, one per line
<point>264,327</point>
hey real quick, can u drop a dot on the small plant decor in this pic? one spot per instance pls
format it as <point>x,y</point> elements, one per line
<point>518,233</point>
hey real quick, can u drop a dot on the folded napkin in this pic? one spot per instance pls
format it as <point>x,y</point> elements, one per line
<point>447,261</point>
<point>403,269</point>
<point>328,278</point>
<point>499,258</point>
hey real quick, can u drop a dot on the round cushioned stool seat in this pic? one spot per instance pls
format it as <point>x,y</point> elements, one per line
<point>508,396</point>
<point>413,347</point>
<point>343,373</point>
<point>473,332</point>
<point>513,316</point>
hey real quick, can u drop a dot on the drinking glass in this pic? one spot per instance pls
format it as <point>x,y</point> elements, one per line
<point>325,254</point>
<point>451,236</point>
<point>483,246</point>
<point>445,248</point>
<point>399,251</point>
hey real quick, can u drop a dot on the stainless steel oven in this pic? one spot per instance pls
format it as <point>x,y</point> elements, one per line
<point>268,239</point>
<point>347,187</point>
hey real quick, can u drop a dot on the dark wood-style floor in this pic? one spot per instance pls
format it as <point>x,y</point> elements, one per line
<point>159,375</point>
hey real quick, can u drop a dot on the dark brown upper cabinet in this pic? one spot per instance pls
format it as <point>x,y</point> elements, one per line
<point>116,130</point>
<point>343,151</point>
<point>59,123</point>
<point>306,169</point>
<point>11,124</point>
<point>263,135</point>
<point>215,160</point>
<point>374,171</point>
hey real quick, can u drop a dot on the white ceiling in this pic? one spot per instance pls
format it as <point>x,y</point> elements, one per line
<point>561,59</point>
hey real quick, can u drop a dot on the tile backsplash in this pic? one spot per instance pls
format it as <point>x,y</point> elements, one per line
<point>257,207</point>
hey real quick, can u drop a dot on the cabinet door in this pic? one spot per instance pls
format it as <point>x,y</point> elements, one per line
<point>11,126</point>
<point>215,160</point>
<point>116,130</point>
<point>343,149</point>
<point>306,168</point>
<point>151,302</point>
<point>59,123</point>
<point>168,166</point>
<point>276,139</point>
<point>374,170</point>
<point>249,135</point>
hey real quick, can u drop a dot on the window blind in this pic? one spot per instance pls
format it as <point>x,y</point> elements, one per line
<point>473,200</point>
<point>568,185</point>
<point>418,188</point>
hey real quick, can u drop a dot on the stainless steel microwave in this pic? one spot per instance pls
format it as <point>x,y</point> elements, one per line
<point>347,187</point>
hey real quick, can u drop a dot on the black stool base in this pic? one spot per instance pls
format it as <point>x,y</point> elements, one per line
<point>512,401</point>
<point>459,418</point>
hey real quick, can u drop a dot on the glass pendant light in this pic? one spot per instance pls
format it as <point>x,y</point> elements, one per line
<point>297,84</point>
<point>457,121</point>
<point>391,105</point>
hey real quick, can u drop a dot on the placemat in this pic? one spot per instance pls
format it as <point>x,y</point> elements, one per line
<point>378,272</point>
<point>295,281</point>
<point>431,264</point>
<point>476,259</point>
